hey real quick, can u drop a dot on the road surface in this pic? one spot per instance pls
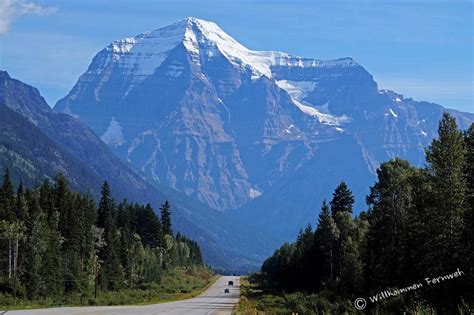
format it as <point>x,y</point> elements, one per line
<point>212,301</point>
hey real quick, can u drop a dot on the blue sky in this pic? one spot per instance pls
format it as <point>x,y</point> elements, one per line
<point>422,49</point>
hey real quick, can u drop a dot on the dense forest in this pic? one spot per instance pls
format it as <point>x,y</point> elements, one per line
<point>418,226</point>
<point>55,242</point>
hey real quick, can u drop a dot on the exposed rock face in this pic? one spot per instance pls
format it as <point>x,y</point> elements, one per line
<point>37,143</point>
<point>196,111</point>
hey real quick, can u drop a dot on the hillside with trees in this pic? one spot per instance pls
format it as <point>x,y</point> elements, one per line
<point>418,226</point>
<point>57,247</point>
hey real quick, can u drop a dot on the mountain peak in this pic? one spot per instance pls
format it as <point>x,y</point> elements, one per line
<point>189,24</point>
<point>194,21</point>
<point>141,55</point>
<point>4,75</point>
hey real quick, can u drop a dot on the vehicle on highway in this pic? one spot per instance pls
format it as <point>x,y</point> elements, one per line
<point>226,291</point>
<point>231,282</point>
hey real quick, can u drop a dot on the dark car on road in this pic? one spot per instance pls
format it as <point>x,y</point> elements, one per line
<point>231,282</point>
<point>226,291</point>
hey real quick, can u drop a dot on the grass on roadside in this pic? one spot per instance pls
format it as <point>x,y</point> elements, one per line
<point>257,299</point>
<point>176,284</point>
<point>254,301</point>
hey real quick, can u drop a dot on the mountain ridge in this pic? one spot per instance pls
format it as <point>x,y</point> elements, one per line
<point>37,143</point>
<point>236,128</point>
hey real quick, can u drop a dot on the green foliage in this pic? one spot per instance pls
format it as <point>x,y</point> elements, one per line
<point>390,200</point>
<point>176,284</point>
<point>166,218</point>
<point>342,199</point>
<point>419,224</point>
<point>468,228</point>
<point>61,248</point>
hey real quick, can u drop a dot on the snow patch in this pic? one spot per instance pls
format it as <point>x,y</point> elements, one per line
<point>254,193</point>
<point>393,113</point>
<point>290,127</point>
<point>297,89</point>
<point>327,119</point>
<point>113,135</point>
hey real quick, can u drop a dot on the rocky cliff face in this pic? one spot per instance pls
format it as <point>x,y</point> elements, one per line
<point>36,144</point>
<point>195,110</point>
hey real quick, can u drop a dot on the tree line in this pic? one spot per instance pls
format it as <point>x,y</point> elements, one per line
<point>55,242</point>
<point>419,224</point>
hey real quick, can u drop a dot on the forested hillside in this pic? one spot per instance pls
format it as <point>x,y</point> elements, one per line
<point>413,249</point>
<point>56,244</point>
<point>31,155</point>
<point>37,143</point>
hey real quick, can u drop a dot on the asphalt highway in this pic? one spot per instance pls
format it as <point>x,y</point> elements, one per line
<point>212,301</point>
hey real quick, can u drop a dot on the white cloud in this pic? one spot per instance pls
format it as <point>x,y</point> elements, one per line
<point>10,10</point>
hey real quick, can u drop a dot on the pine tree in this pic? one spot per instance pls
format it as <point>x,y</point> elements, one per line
<point>52,267</point>
<point>124,223</point>
<point>62,202</point>
<point>302,259</point>
<point>468,222</point>
<point>111,275</point>
<point>325,238</point>
<point>73,243</point>
<point>166,218</point>
<point>446,158</point>
<point>36,247</point>
<point>47,198</point>
<point>21,207</point>
<point>7,199</point>
<point>149,226</point>
<point>342,200</point>
<point>344,248</point>
<point>52,258</point>
<point>389,201</point>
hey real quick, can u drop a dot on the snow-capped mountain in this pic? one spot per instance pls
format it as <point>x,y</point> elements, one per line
<point>273,133</point>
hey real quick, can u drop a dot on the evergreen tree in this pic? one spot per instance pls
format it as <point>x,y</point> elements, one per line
<point>125,227</point>
<point>74,239</point>
<point>35,248</point>
<point>149,227</point>
<point>302,261</point>
<point>468,226</point>
<point>111,275</point>
<point>345,248</point>
<point>389,201</point>
<point>419,222</point>
<point>166,218</point>
<point>446,158</point>
<point>52,247</point>
<point>21,207</point>
<point>325,239</point>
<point>47,198</point>
<point>52,261</point>
<point>7,199</point>
<point>342,199</point>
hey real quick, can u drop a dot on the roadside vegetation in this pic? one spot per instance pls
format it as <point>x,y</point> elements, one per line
<point>176,284</point>
<point>58,248</point>
<point>416,238</point>
<point>259,298</point>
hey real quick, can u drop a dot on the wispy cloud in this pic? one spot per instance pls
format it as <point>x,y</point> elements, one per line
<point>10,10</point>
